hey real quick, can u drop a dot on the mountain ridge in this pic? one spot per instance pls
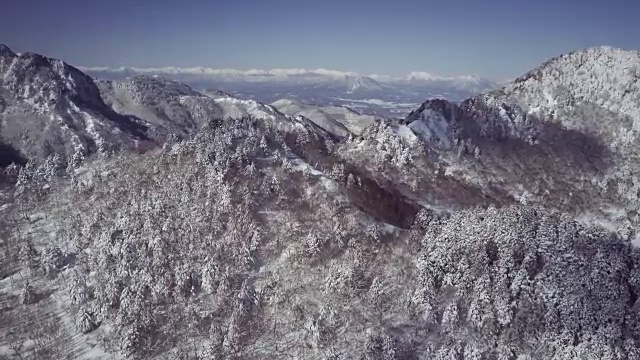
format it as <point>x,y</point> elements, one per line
<point>48,107</point>
<point>565,127</point>
<point>557,89</point>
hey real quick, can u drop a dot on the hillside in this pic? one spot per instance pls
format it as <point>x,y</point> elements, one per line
<point>339,120</point>
<point>566,127</point>
<point>47,107</point>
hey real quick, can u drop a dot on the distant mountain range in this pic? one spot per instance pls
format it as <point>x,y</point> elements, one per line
<point>374,94</point>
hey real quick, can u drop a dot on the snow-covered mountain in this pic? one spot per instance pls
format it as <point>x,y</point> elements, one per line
<point>340,119</point>
<point>175,106</point>
<point>452,87</point>
<point>569,126</point>
<point>169,104</point>
<point>594,91</point>
<point>374,94</point>
<point>47,106</point>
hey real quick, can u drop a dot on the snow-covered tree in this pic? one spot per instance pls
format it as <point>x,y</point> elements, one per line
<point>85,320</point>
<point>28,294</point>
<point>523,277</point>
<point>381,347</point>
<point>51,259</point>
<point>29,256</point>
<point>78,289</point>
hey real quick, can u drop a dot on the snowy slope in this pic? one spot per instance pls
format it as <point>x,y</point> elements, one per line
<point>216,94</point>
<point>597,90</point>
<point>48,106</point>
<point>179,108</point>
<point>353,120</point>
<point>338,120</point>
<point>432,122</point>
<point>236,108</point>
<point>563,135</point>
<point>162,102</point>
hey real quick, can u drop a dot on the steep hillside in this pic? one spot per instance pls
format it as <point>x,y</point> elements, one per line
<point>162,102</point>
<point>566,128</point>
<point>594,91</point>
<point>47,106</point>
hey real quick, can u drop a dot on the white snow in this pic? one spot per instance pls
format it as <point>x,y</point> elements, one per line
<point>236,108</point>
<point>600,78</point>
<point>636,241</point>
<point>338,120</point>
<point>90,125</point>
<point>381,103</point>
<point>405,132</point>
<point>432,125</point>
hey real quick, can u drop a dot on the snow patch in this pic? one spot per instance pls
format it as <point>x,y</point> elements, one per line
<point>432,125</point>
<point>405,133</point>
<point>381,103</point>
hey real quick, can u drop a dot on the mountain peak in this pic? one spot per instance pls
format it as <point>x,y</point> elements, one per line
<point>600,53</point>
<point>595,59</point>
<point>5,49</point>
<point>6,58</point>
<point>602,78</point>
<point>604,49</point>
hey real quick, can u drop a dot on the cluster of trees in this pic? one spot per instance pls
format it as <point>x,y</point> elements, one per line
<point>253,241</point>
<point>525,283</point>
<point>169,244</point>
<point>169,239</point>
<point>389,149</point>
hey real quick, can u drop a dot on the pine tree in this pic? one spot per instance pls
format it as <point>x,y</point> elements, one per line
<point>29,256</point>
<point>85,320</point>
<point>28,294</point>
<point>51,259</point>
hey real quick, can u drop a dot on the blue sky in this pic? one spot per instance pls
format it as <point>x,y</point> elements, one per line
<point>498,39</point>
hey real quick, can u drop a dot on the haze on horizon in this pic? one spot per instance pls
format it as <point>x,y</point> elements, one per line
<point>499,40</point>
